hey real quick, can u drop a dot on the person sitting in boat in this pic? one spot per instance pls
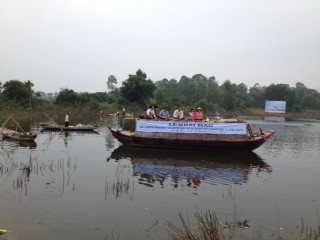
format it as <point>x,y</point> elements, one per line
<point>178,114</point>
<point>217,116</point>
<point>199,114</point>
<point>150,113</point>
<point>66,120</point>
<point>164,114</point>
<point>192,115</point>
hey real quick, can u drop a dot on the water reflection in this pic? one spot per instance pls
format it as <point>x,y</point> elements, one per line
<point>275,123</point>
<point>66,138</point>
<point>191,168</point>
<point>18,171</point>
<point>22,144</point>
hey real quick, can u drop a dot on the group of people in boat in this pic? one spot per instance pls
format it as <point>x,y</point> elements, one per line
<point>178,114</point>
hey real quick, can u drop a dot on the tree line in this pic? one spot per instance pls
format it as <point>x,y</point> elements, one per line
<point>138,92</point>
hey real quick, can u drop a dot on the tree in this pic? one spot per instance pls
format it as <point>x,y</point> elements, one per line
<point>229,92</point>
<point>257,96</point>
<point>242,96</point>
<point>112,81</point>
<point>68,97</point>
<point>281,92</point>
<point>168,93</point>
<point>311,100</point>
<point>137,88</point>
<point>18,92</point>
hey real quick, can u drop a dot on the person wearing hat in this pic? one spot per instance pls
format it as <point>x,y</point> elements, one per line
<point>199,114</point>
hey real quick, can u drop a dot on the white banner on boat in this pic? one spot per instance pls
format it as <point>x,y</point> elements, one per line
<point>191,127</point>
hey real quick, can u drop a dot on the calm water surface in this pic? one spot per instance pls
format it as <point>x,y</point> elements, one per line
<point>88,186</point>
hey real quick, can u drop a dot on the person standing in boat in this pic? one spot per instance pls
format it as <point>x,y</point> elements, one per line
<point>199,114</point>
<point>178,114</point>
<point>66,120</point>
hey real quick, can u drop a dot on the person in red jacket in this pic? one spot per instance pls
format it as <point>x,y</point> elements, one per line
<point>199,114</point>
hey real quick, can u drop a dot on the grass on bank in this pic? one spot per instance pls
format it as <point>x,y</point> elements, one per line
<point>208,227</point>
<point>89,113</point>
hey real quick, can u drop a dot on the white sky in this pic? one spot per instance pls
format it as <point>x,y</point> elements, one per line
<point>77,44</point>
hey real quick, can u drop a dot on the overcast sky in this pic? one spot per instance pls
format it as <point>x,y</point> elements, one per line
<point>77,44</point>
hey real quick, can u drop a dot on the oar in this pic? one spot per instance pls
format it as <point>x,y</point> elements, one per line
<point>50,119</point>
<point>61,129</point>
<point>17,124</point>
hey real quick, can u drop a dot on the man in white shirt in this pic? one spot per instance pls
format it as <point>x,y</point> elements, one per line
<point>151,112</point>
<point>178,114</point>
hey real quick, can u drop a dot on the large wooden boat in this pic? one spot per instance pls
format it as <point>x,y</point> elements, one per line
<point>80,127</point>
<point>221,135</point>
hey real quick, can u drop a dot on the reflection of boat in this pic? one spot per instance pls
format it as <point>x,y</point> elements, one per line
<point>192,165</point>
<point>24,144</point>
<point>224,134</point>
<point>80,127</point>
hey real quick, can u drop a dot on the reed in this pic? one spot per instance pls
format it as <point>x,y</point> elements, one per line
<point>207,227</point>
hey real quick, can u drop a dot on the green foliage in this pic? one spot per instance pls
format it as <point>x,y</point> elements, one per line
<point>111,83</point>
<point>18,92</point>
<point>138,92</point>
<point>257,96</point>
<point>281,92</point>
<point>137,88</point>
<point>99,97</point>
<point>68,97</point>
<point>228,98</point>
<point>168,93</point>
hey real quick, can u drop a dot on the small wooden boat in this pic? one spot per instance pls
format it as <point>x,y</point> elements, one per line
<point>222,135</point>
<point>19,136</point>
<point>78,127</point>
<point>15,134</point>
<point>53,126</point>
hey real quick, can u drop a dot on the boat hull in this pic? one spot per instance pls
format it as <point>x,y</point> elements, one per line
<point>18,136</point>
<point>71,128</point>
<point>180,141</point>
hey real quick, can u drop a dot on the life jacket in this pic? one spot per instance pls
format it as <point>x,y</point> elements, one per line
<point>67,118</point>
<point>199,115</point>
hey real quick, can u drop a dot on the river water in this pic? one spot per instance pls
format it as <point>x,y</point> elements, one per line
<point>88,186</point>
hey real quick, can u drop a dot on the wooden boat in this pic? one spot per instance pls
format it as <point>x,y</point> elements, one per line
<point>20,135</point>
<point>221,135</point>
<point>53,126</point>
<point>78,127</point>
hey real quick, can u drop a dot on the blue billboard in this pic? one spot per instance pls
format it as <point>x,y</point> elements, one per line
<point>278,107</point>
